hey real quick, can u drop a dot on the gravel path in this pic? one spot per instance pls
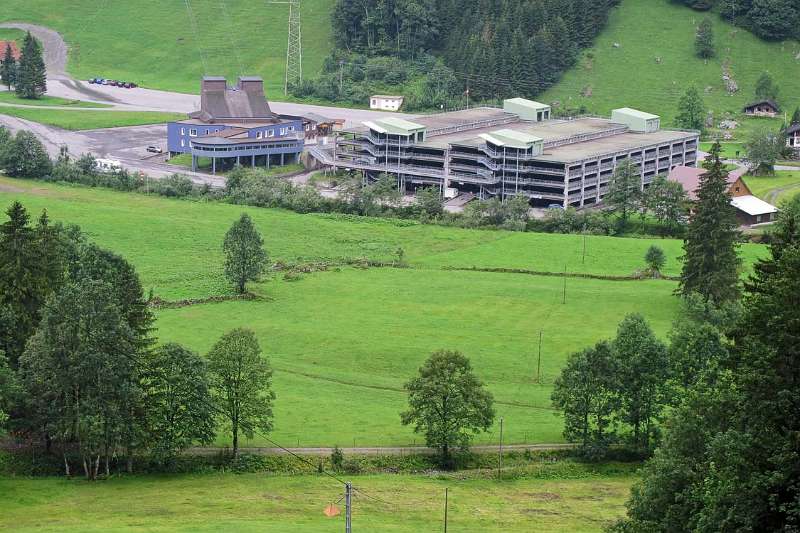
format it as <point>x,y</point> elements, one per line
<point>55,49</point>
<point>376,450</point>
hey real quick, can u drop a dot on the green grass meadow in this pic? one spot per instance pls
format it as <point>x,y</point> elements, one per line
<point>7,97</point>
<point>87,119</point>
<point>646,29</point>
<point>344,341</point>
<point>258,503</point>
<point>169,45</point>
<point>776,189</point>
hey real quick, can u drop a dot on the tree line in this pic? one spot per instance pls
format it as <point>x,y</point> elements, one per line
<point>446,52</point>
<point>661,207</point>
<point>715,407</point>
<point>80,368</point>
<point>772,20</point>
<point>27,76</point>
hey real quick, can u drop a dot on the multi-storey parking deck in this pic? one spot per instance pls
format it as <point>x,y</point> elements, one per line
<point>515,150</point>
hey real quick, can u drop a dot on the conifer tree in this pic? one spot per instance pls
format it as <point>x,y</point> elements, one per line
<point>766,89</point>
<point>711,263</point>
<point>8,69</point>
<point>704,40</point>
<point>31,78</point>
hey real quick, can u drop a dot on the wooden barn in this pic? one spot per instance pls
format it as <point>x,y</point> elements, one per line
<point>762,108</point>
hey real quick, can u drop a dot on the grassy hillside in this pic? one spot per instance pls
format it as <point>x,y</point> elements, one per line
<point>343,341</point>
<point>258,503</point>
<point>646,29</point>
<point>88,119</point>
<point>158,45</point>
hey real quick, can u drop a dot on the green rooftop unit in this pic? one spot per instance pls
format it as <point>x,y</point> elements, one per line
<point>507,138</point>
<point>637,121</point>
<point>527,109</point>
<point>397,126</point>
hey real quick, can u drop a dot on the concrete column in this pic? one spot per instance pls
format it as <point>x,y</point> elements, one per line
<point>268,156</point>
<point>282,160</point>
<point>238,161</point>
<point>194,164</point>
<point>583,181</point>
<point>213,165</point>
<point>252,161</point>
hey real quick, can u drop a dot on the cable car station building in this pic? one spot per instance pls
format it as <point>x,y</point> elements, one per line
<point>235,126</point>
<point>516,150</point>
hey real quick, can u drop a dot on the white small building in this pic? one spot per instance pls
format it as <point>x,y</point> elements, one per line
<point>107,165</point>
<point>793,137</point>
<point>385,102</point>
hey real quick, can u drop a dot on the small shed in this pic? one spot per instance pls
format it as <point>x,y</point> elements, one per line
<point>518,140</point>
<point>793,137</point>
<point>637,121</point>
<point>751,210</point>
<point>527,109</point>
<point>385,102</point>
<point>762,108</point>
<point>15,53</point>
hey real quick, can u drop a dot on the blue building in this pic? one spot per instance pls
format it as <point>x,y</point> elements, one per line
<point>235,125</point>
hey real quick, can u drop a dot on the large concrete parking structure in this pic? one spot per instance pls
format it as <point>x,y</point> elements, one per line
<point>494,152</point>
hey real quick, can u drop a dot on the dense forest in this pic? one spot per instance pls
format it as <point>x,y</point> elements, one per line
<point>445,51</point>
<point>772,20</point>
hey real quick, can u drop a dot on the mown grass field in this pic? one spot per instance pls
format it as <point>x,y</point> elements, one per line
<point>169,45</point>
<point>646,29</point>
<point>344,341</point>
<point>254,502</point>
<point>775,189</point>
<point>7,97</point>
<point>87,119</point>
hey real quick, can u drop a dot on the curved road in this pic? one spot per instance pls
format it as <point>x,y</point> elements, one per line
<point>128,144</point>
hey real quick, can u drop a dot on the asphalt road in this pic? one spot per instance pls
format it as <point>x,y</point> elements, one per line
<point>128,144</point>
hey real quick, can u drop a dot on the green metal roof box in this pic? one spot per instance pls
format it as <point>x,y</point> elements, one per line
<point>527,109</point>
<point>637,121</point>
<point>511,138</point>
<point>394,126</point>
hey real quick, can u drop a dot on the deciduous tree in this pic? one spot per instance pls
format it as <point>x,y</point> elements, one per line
<point>586,393</point>
<point>79,372</point>
<point>766,88</point>
<point>764,147</point>
<point>245,258</point>
<point>241,384</point>
<point>642,373</point>
<point>177,401</point>
<point>25,157</point>
<point>448,403</point>
<point>655,259</point>
<point>691,110</point>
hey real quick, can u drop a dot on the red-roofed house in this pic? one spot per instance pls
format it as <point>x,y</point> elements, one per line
<point>15,53</point>
<point>749,209</point>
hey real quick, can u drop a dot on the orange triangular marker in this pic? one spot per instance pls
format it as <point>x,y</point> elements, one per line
<point>332,510</point>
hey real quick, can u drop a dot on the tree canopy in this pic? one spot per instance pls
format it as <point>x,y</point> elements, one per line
<point>245,258</point>
<point>31,77</point>
<point>448,403</point>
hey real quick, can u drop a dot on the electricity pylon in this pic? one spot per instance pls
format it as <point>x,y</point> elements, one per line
<point>294,47</point>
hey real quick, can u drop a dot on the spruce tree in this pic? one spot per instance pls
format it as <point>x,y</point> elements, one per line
<point>8,69</point>
<point>704,40</point>
<point>31,78</point>
<point>711,263</point>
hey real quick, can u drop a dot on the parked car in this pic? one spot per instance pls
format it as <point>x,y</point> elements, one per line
<point>555,206</point>
<point>154,149</point>
<point>132,85</point>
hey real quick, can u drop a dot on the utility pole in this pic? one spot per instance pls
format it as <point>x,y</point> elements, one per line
<point>445,510</point>
<point>539,362</point>
<point>500,461</point>
<point>348,492</point>
<point>341,74</point>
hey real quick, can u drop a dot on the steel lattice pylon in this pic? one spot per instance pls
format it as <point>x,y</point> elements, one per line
<point>294,47</point>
